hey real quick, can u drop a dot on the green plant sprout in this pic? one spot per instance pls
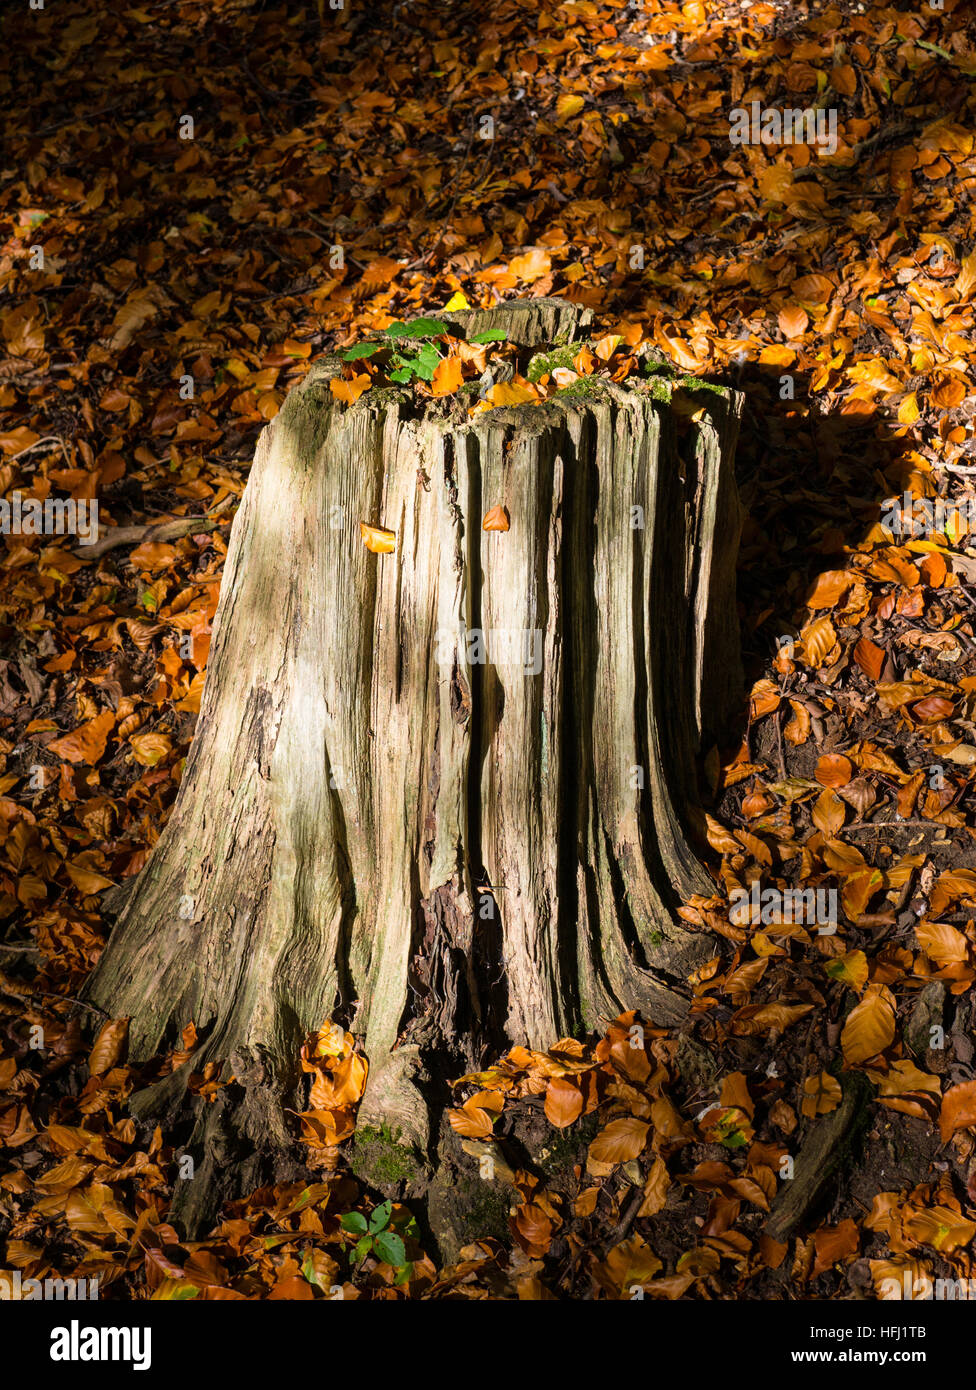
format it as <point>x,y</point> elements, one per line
<point>377,1237</point>
<point>421,363</point>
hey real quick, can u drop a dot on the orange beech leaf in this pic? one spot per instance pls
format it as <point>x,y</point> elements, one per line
<point>605,347</point>
<point>829,588</point>
<point>149,749</point>
<point>447,376</point>
<point>514,392</point>
<point>349,391</point>
<point>568,106</point>
<point>817,640</point>
<point>828,812</point>
<point>620,1140</point>
<point>87,743</point>
<point>813,289</point>
<point>108,1048</point>
<point>821,1094</point>
<point>86,880</point>
<point>958,1109</point>
<point>932,709</point>
<point>564,1102</point>
<point>496,519</point>
<point>377,539</point>
<point>584,361</point>
<point>833,770</point>
<point>870,658</point>
<point>870,1026</point>
<point>793,321</point>
<point>532,265</point>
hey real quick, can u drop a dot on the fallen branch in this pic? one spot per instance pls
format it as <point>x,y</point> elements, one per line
<point>163,531</point>
<point>821,1155</point>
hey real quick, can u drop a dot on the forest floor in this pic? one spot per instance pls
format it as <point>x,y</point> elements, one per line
<point>348,167</point>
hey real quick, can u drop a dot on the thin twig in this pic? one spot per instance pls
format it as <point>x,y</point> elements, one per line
<point>896,825</point>
<point>48,439</point>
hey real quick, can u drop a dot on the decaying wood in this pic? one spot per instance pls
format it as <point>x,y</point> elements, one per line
<point>442,846</point>
<point>825,1149</point>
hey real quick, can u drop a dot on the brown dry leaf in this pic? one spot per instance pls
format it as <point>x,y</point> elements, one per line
<point>797,731</point>
<point>448,376</point>
<point>475,1118</point>
<point>150,749</point>
<point>563,1103</point>
<point>829,588</point>
<point>817,640</point>
<point>870,1026</point>
<point>793,321</point>
<point>567,106</point>
<point>656,1187</point>
<point>940,1227</point>
<point>631,1262</point>
<point>87,743</point>
<point>532,1228</point>
<point>514,392</point>
<point>86,880</point>
<point>958,1109</point>
<point>349,392</point>
<point>531,266</point>
<point>152,556</point>
<point>835,1245</point>
<point>833,770</point>
<point>829,812</point>
<point>763,1018</point>
<point>932,709</point>
<point>870,658</point>
<point>821,1094</point>
<point>941,942</point>
<point>377,539</point>
<point>719,838</point>
<point>850,969</point>
<point>813,290</point>
<point>903,1077</point>
<point>605,347</point>
<point>758,848</point>
<point>620,1140</point>
<point>496,519</point>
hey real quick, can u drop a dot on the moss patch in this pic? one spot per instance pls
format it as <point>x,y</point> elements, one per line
<point>544,363</point>
<point>383,1159</point>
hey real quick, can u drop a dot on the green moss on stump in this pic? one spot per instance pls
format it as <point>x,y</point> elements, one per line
<point>381,1157</point>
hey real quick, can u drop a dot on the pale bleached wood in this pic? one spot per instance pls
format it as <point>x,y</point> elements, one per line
<point>348,795</point>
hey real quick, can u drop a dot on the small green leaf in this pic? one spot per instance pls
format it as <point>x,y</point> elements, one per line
<point>402,374</point>
<point>426,361</point>
<point>354,1221</point>
<point>934,48</point>
<point>404,1274</point>
<point>380,1216</point>
<point>494,335</point>
<point>361,350</point>
<point>362,1249</point>
<point>390,1248</point>
<point>396,329</point>
<point>426,328</point>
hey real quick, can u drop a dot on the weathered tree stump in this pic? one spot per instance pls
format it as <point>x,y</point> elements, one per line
<point>445,841</point>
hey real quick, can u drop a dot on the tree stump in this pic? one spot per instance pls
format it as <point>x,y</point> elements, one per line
<point>439,795</point>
